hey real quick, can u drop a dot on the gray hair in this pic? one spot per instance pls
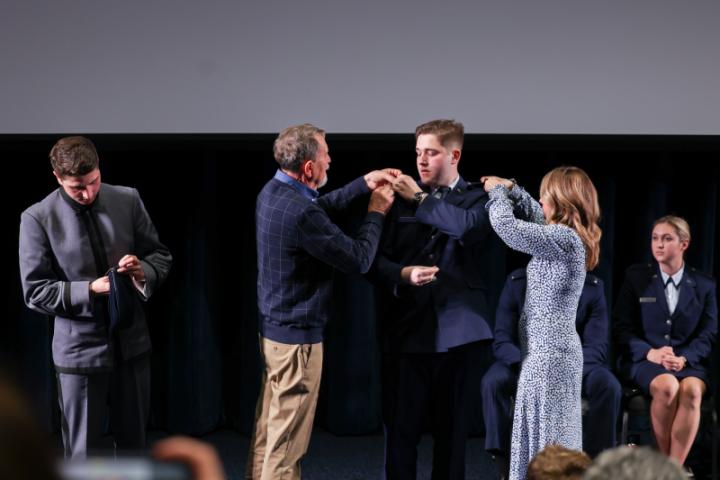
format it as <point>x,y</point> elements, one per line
<point>296,144</point>
<point>634,463</point>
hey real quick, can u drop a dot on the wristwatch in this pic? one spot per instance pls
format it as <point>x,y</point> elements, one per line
<point>418,197</point>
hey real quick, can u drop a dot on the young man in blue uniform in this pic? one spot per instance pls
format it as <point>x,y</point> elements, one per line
<point>433,309</point>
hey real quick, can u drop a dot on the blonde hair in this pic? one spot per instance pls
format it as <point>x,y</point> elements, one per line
<point>575,204</point>
<point>681,226</point>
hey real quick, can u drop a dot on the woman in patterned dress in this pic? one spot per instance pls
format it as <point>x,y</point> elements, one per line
<point>562,235</point>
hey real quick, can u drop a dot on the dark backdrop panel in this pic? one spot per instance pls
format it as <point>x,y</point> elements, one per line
<point>200,191</point>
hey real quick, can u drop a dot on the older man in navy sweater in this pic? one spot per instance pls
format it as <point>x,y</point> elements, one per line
<point>298,248</point>
<point>600,387</point>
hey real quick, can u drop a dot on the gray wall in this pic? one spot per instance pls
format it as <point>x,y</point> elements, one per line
<point>543,66</point>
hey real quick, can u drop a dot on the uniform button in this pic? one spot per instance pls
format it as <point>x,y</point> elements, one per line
<point>431,256</point>
<point>668,321</point>
<point>667,337</point>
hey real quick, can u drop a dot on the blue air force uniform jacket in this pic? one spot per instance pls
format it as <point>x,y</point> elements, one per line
<point>642,319</point>
<point>451,234</point>
<point>591,321</point>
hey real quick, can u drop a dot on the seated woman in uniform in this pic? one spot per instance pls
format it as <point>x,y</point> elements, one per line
<point>665,322</point>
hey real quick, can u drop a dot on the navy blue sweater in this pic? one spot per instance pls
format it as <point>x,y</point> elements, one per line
<point>298,248</point>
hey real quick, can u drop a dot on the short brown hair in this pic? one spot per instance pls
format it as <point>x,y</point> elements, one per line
<point>449,132</point>
<point>555,462</point>
<point>73,157</point>
<point>296,144</point>
<point>680,225</point>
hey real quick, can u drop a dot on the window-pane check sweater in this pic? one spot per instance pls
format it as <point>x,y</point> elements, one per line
<point>298,248</point>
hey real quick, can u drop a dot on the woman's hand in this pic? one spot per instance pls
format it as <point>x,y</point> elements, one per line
<point>657,355</point>
<point>673,363</point>
<point>491,182</point>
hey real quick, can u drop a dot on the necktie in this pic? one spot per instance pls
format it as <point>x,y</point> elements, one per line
<point>441,192</point>
<point>671,294</point>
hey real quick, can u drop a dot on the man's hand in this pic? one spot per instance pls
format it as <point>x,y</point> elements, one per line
<point>657,355</point>
<point>491,182</point>
<point>378,178</point>
<point>406,187</point>
<point>101,286</point>
<point>381,199</point>
<point>130,265</point>
<point>417,275</point>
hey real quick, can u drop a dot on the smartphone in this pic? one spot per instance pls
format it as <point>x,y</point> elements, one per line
<point>123,468</point>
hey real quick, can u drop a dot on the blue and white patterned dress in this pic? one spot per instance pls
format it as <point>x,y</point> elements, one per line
<point>547,403</point>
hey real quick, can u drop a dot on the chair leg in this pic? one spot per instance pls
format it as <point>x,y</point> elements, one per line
<point>714,445</point>
<point>624,429</point>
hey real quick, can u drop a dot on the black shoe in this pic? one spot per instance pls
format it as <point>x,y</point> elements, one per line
<point>503,466</point>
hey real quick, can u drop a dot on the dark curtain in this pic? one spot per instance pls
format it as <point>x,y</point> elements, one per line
<point>200,192</point>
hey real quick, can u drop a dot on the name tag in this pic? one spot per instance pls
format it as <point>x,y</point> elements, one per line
<point>407,220</point>
<point>648,299</point>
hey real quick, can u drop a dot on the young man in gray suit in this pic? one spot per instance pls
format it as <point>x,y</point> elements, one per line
<point>83,244</point>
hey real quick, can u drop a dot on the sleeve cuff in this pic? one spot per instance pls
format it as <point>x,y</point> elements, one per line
<point>80,300</point>
<point>146,289</point>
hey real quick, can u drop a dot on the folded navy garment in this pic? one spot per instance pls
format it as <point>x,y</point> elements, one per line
<point>121,304</point>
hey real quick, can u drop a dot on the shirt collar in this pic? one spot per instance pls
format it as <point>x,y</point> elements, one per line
<point>451,187</point>
<point>78,207</point>
<point>304,190</point>
<point>676,278</point>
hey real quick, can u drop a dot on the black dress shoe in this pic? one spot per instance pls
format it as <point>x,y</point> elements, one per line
<point>503,466</point>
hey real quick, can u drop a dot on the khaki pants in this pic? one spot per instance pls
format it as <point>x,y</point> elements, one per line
<point>285,410</point>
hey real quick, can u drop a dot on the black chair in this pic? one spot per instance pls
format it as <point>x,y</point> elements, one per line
<point>635,402</point>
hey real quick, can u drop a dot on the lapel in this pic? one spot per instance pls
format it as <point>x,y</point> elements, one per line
<point>456,195</point>
<point>687,291</point>
<point>431,235</point>
<point>657,288</point>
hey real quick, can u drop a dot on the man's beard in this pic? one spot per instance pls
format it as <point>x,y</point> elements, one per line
<point>323,182</point>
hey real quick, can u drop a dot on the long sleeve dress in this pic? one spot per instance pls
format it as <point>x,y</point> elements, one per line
<point>547,402</point>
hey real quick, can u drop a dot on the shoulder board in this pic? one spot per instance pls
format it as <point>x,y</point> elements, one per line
<point>474,186</point>
<point>518,274</point>
<point>699,273</point>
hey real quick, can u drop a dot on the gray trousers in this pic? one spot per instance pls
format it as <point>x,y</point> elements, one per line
<point>86,399</point>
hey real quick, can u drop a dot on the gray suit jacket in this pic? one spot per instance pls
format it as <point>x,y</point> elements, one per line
<point>57,265</point>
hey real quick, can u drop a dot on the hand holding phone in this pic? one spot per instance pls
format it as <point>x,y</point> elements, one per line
<point>175,458</point>
<point>124,468</point>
